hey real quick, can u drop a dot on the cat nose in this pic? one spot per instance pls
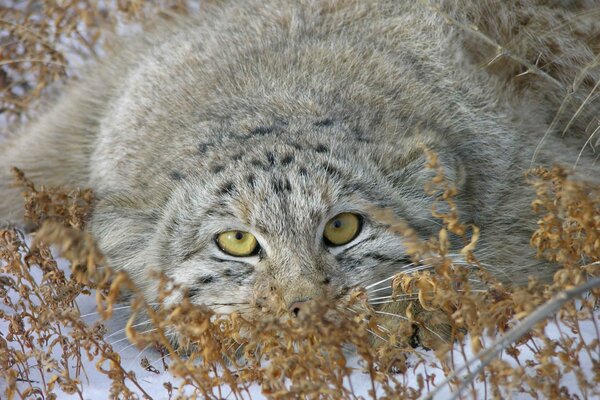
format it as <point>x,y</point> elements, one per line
<point>297,307</point>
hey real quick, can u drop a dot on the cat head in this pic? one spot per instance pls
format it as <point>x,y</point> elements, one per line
<point>289,213</point>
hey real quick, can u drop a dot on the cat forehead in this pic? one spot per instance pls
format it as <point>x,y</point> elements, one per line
<point>279,183</point>
<point>272,184</point>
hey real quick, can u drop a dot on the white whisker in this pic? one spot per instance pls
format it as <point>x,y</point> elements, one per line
<point>399,296</point>
<point>403,295</point>
<point>386,279</point>
<point>380,289</point>
<point>147,322</point>
<point>377,336</point>
<point>138,355</point>
<point>115,309</point>
<point>407,319</point>
<point>126,338</point>
<point>394,301</point>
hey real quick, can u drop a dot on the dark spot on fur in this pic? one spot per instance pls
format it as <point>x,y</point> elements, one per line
<point>251,179</point>
<point>321,148</point>
<point>270,158</point>
<point>176,175</point>
<point>302,171</point>
<point>227,188</point>
<point>258,164</point>
<point>262,130</point>
<point>331,170</point>
<point>296,145</point>
<point>210,213</point>
<point>287,159</point>
<point>282,185</point>
<point>359,135</point>
<point>215,169</point>
<point>237,156</point>
<point>203,148</point>
<point>227,272</point>
<point>206,279</point>
<point>324,122</point>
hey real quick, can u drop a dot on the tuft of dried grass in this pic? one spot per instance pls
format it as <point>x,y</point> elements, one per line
<point>40,40</point>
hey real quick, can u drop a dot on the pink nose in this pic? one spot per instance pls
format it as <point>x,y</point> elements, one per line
<point>297,307</point>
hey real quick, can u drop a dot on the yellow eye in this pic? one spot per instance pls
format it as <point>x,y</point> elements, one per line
<point>341,229</point>
<point>237,243</point>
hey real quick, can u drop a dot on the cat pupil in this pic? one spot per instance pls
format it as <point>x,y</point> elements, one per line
<point>337,223</point>
<point>239,235</point>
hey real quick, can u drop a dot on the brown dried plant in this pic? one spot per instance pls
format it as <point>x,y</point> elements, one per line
<point>39,40</point>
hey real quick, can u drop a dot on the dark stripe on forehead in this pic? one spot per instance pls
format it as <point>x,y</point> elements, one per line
<point>176,175</point>
<point>203,280</point>
<point>215,169</point>
<point>331,170</point>
<point>261,130</point>
<point>227,188</point>
<point>324,122</point>
<point>203,148</point>
<point>281,185</point>
<point>216,210</point>
<point>287,159</point>
<point>321,148</point>
<point>251,179</point>
<point>372,194</point>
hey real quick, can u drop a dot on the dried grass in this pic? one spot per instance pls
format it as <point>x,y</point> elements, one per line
<point>39,40</point>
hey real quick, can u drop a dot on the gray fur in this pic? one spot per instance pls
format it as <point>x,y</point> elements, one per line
<point>273,117</point>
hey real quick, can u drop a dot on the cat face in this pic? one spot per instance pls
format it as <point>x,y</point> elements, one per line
<point>291,213</point>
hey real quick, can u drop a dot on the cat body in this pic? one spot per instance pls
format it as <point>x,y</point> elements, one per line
<point>275,117</point>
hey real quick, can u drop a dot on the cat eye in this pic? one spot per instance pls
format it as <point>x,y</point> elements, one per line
<point>342,229</point>
<point>238,243</point>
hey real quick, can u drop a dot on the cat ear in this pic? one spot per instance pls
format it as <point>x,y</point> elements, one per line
<point>420,162</point>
